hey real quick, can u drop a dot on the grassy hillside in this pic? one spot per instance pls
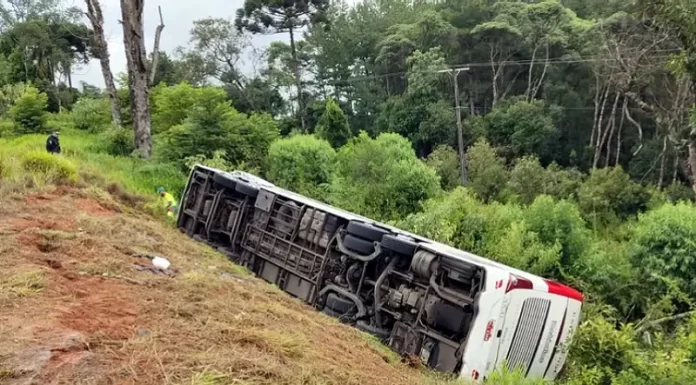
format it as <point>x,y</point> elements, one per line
<point>76,306</point>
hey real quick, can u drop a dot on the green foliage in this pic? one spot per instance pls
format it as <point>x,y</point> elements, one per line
<point>302,163</point>
<point>216,126</point>
<point>527,179</point>
<point>382,177</point>
<point>49,167</point>
<point>520,128</point>
<point>6,128</point>
<point>445,161</point>
<point>677,192</point>
<point>559,223</point>
<point>118,141</point>
<point>171,105</point>
<point>92,115</point>
<point>333,125</point>
<point>487,173</point>
<point>665,248</point>
<point>218,161</point>
<point>609,193</point>
<point>29,111</point>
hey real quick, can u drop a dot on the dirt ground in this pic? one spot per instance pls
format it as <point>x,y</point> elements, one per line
<point>76,307</point>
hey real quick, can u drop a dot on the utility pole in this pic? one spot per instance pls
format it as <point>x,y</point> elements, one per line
<point>460,130</point>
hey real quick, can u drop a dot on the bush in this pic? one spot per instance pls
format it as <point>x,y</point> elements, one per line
<point>93,115</point>
<point>118,141</point>
<point>559,223</point>
<point>382,178</point>
<point>527,179</point>
<point>209,128</point>
<point>172,105</point>
<point>60,122</point>
<point>7,128</point>
<point>52,168</point>
<point>302,163</point>
<point>487,173</point>
<point>520,127</point>
<point>608,194</point>
<point>676,192</point>
<point>664,246</point>
<point>445,161</point>
<point>29,111</point>
<point>333,125</point>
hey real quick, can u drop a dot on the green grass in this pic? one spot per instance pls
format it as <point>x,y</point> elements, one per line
<point>86,152</point>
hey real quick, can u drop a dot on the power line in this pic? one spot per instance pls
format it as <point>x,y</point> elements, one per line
<point>553,61</point>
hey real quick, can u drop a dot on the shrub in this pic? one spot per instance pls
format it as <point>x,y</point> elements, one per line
<point>7,128</point>
<point>60,122</point>
<point>172,105</point>
<point>664,246</point>
<point>302,163</point>
<point>527,179</point>
<point>445,161</point>
<point>676,192</point>
<point>51,167</point>
<point>382,177</point>
<point>609,193</point>
<point>333,125</point>
<point>209,128</point>
<point>93,115</point>
<point>29,111</point>
<point>118,141</point>
<point>558,222</point>
<point>487,173</point>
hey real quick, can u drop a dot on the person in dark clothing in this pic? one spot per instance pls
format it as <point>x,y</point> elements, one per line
<point>53,143</point>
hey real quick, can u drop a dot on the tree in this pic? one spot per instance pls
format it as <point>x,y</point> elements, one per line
<point>217,43</point>
<point>487,173</point>
<point>382,177</point>
<point>276,16</point>
<point>138,74</point>
<point>29,111</point>
<point>302,163</point>
<point>333,125</point>
<point>445,161</point>
<point>101,51</point>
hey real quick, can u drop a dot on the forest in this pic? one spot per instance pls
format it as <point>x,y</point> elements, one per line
<point>553,136</point>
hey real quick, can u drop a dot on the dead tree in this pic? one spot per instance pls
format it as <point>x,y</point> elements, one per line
<point>101,50</point>
<point>138,82</point>
<point>155,49</point>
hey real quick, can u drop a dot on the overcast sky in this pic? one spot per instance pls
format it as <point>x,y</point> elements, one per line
<point>178,20</point>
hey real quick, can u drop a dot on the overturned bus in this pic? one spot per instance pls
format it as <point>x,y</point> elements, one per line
<point>456,311</point>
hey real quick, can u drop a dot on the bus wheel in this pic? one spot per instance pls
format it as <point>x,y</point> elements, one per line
<point>358,245</point>
<point>365,231</point>
<point>338,304</point>
<point>398,245</point>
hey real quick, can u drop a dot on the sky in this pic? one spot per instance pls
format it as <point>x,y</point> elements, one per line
<point>178,20</point>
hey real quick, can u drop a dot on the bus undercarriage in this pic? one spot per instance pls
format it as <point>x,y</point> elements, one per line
<point>418,302</point>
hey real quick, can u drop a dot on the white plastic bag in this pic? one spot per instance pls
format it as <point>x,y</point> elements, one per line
<point>160,263</point>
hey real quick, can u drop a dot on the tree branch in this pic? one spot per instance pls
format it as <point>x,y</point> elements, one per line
<point>155,49</point>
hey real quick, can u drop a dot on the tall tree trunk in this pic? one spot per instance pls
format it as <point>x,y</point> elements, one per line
<point>134,42</point>
<point>298,79</point>
<point>94,13</point>
<point>155,49</point>
<point>662,163</point>
<point>618,134</point>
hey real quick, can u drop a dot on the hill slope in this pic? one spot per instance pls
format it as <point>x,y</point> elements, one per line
<point>76,309</point>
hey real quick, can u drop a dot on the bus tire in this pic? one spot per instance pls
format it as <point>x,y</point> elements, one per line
<point>398,245</point>
<point>246,189</point>
<point>331,313</point>
<point>224,181</point>
<point>365,231</point>
<point>358,245</point>
<point>381,333</point>
<point>338,304</point>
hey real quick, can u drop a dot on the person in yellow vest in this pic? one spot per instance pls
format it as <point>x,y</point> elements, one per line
<point>168,201</point>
